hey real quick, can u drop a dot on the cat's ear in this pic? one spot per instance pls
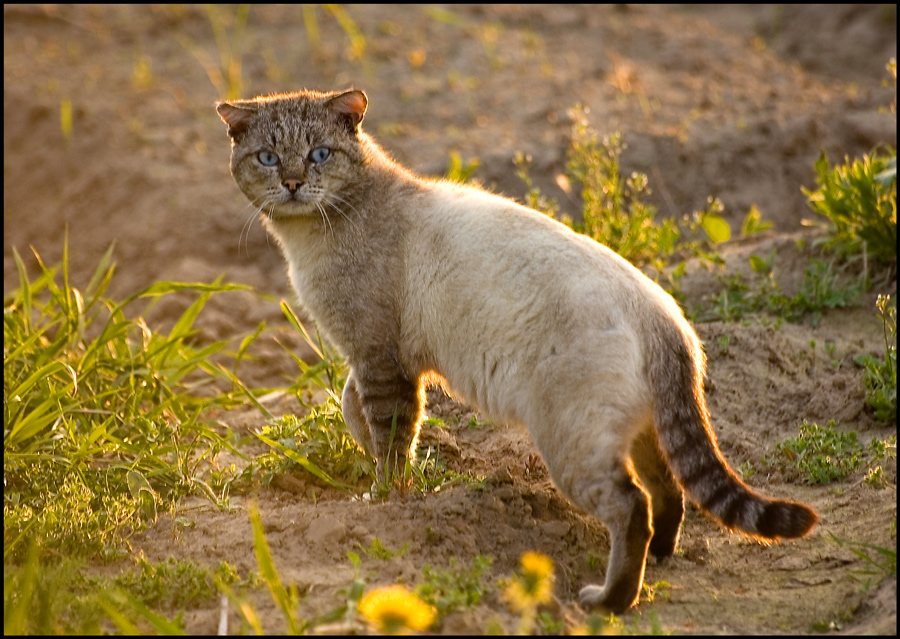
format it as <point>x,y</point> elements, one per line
<point>352,106</point>
<point>236,116</point>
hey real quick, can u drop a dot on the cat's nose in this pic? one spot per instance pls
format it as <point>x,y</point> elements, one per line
<point>292,185</point>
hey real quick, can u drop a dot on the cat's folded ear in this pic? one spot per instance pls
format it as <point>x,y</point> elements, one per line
<point>352,106</point>
<point>237,116</point>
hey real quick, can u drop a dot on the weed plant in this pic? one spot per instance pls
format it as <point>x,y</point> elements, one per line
<point>318,443</point>
<point>614,211</point>
<point>859,199</point>
<point>377,550</point>
<point>459,170</point>
<point>456,587</point>
<point>880,377</point>
<point>104,418</point>
<point>821,289</point>
<point>823,455</point>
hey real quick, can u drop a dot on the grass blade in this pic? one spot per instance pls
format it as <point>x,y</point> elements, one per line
<point>307,465</point>
<point>280,595</point>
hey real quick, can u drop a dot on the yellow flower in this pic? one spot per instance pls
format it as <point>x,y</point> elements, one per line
<point>392,609</point>
<point>534,585</point>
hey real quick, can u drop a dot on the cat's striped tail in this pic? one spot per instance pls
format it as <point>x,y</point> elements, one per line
<point>676,366</point>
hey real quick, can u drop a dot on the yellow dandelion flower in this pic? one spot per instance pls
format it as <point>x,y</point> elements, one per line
<point>537,565</point>
<point>534,584</point>
<point>393,609</point>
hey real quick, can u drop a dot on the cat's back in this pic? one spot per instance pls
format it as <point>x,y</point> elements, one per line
<point>464,236</point>
<point>489,276</point>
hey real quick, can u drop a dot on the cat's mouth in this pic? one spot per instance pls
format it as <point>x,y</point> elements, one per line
<point>293,206</point>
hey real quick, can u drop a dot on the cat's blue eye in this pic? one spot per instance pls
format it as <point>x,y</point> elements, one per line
<point>320,155</point>
<point>267,159</point>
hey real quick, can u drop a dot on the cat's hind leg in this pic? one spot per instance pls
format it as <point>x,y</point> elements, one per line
<point>587,448</point>
<point>666,496</point>
<point>616,499</point>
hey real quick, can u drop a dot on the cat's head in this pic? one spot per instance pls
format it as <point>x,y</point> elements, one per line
<point>295,153</point>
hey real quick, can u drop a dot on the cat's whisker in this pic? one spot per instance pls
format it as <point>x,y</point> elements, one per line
<point>327,221</point>
<point>247,226</point>
<point>269,214</point>
<point>333,200</point>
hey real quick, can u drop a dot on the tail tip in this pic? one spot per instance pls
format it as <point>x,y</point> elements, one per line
<point>787,520</point>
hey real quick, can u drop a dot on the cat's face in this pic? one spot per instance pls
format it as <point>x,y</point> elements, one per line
<point>294,154</point>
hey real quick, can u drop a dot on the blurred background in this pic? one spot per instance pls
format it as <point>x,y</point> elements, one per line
<point>110,132</point>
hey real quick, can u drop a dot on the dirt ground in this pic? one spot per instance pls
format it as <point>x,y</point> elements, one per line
<point>730,101</point>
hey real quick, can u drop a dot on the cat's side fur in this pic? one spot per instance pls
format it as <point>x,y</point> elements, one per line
<point>414,278</point>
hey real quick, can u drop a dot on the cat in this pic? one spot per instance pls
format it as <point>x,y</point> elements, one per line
<point>418,280</point>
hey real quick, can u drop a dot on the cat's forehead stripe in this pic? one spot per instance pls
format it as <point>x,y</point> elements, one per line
<point>285,112</point>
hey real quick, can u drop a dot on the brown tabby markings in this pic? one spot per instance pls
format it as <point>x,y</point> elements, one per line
<point>418,279</point>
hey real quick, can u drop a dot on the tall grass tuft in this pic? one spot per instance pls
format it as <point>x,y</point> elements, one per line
<point>859,199</point>
<point>103,418</point>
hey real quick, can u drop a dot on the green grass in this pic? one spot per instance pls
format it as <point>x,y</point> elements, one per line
<point>105,419</point>
<point>878,559</point>
<point>456,587</point>
<point>822,455</point>
<point>51,596</point>
<point>377,550</point>
<point>356,48</point>
<point>822,288</point>
<point>229,28</point>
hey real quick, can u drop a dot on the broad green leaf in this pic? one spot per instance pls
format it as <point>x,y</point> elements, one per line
<point>716,228</point>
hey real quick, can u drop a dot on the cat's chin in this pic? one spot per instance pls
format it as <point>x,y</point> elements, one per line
<point>291,210</point>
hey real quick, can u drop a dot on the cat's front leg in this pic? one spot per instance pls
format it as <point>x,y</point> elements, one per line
<point>351,408</point>
<point>384,407</point>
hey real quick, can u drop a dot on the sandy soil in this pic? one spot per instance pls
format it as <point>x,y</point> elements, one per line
<point>735,102</point>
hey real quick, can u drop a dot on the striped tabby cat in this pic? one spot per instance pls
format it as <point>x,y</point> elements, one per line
<point>416,279</point>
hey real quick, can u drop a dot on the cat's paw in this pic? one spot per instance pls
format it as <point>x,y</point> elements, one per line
<point>598,597</point>
<point>591,596</point>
